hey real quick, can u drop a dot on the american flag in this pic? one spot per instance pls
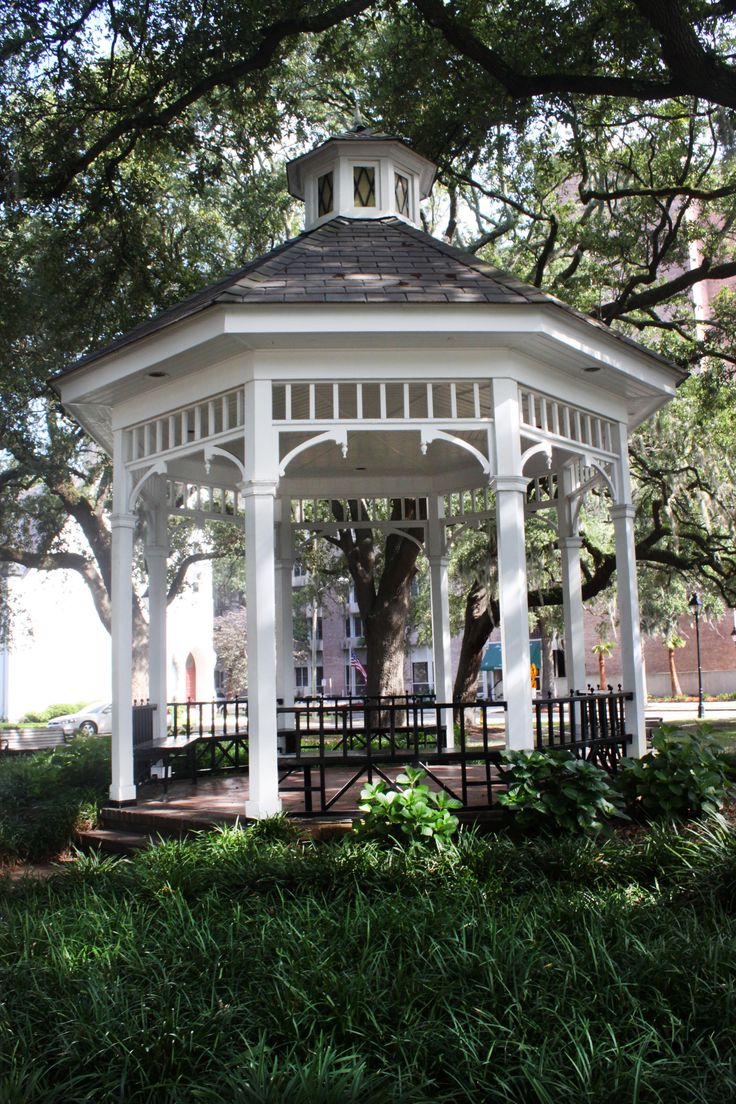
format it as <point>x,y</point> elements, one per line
<point>355,662</point>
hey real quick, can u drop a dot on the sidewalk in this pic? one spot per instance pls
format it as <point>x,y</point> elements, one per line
<point>688,710</point>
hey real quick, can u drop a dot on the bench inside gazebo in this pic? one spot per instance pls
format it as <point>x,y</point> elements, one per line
<point>365,361</point>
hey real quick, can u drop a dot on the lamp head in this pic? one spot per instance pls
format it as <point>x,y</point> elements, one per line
<point>695,604</point>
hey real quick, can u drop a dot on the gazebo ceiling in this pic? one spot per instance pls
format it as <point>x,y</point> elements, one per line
<point>374,461</point>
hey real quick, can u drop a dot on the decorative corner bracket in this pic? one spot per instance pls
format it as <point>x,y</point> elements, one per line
<point>428,435</point>
<point>159,468</point>
<point>339,436</point>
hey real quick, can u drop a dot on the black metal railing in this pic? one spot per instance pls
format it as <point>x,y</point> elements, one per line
<point>222,717</point>
<point>373,738</point>
<point>458,744</point>
<point>592,724</point>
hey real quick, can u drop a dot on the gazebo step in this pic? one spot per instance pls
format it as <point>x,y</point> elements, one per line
<point>112,841</point>
<point>161,822</point>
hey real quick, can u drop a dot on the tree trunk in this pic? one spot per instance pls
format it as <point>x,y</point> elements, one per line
<point>384,603</point>
<point>674,677</point>
<point>478,627</point>
<point>602,680</point>
<point>385,637</point>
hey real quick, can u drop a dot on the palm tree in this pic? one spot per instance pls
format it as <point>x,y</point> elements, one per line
<point>672,641</point>
<point>602,649</point>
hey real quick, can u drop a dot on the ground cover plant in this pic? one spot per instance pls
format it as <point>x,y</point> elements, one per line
<point>258,967</point>
<point>45,795</point>
<point>552,790</point>
<point>684,775</point>
<point>408,813</point>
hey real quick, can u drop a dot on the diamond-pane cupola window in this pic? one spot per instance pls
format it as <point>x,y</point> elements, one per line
<point>361,173</point>
<point>364,186</point>
<point>401,193</point>
<point>325,194</point>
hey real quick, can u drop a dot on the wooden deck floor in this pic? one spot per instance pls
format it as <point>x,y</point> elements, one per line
<point>222,798</point>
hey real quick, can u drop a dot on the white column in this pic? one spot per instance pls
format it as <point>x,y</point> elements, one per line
<point>440,601</point>
<point>627,595</point>
<point>440,607</point>
<point>438,559</point>
<point>285,687</point>
<point>122,788</point>
<point>572,603</point>
<point>259,490</point>
<point>572,591</point>
<point>510,488</point>
<point>156,559</point>
<point>512,595</point>
<point>441,656</point>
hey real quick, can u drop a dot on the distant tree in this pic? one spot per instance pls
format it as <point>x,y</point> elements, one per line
<point>230,643</point>
<point>672,641</point>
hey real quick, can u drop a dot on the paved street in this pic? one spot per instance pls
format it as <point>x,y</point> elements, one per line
<point>688,711</point>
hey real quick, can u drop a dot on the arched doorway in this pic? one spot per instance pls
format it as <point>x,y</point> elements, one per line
<point>191,678</point>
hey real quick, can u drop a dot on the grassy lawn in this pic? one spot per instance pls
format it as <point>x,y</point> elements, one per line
<point>723,731</point>
<point>252,967</point>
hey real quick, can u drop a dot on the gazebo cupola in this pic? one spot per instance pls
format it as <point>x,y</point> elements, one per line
<point>360,174</point>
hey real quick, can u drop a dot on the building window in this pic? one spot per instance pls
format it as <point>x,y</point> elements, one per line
<point>325,194</point>
<point>301,678</point>
<point>354,626</point>
<point>364,186</point>
<point>420,677</point>
<point>401,192</point>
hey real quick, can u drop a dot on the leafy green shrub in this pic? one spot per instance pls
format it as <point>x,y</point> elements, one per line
<point>44,796</point>
<point>43,716</point>
<point>683,776</point>
<point>552,790</point>
<point>411,814</point>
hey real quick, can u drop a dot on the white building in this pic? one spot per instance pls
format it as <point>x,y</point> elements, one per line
<point>57,650</point>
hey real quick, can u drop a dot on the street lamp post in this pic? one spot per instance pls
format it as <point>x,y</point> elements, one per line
<point>695,605</point>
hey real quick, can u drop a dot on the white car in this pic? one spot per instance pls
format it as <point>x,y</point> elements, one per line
<point>87,722</point>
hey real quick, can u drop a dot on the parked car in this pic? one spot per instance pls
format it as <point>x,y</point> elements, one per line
<point>94,718</point>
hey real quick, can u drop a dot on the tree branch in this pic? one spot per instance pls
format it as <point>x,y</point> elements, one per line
<point>144,117</point>
<point>694,71</point>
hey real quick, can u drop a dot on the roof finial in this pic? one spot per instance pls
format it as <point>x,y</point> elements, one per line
<point>358,123</point>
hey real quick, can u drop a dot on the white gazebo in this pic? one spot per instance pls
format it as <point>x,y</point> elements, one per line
<point>364,359</point>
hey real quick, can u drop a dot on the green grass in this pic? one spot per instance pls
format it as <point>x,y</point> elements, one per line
<point>44,795</point>
<point>253,967</point>
<point>723,731</point>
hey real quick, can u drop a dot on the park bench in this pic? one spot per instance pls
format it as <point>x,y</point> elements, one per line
<point>19,741</point>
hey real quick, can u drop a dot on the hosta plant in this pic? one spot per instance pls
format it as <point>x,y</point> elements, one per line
<point>409,814</point>
<point>683,776</point>
<point>554,791</point>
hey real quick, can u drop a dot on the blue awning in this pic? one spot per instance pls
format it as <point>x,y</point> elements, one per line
<point>493,658</point>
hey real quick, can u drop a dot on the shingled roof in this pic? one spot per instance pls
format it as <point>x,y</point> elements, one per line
<point>353,261</point>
